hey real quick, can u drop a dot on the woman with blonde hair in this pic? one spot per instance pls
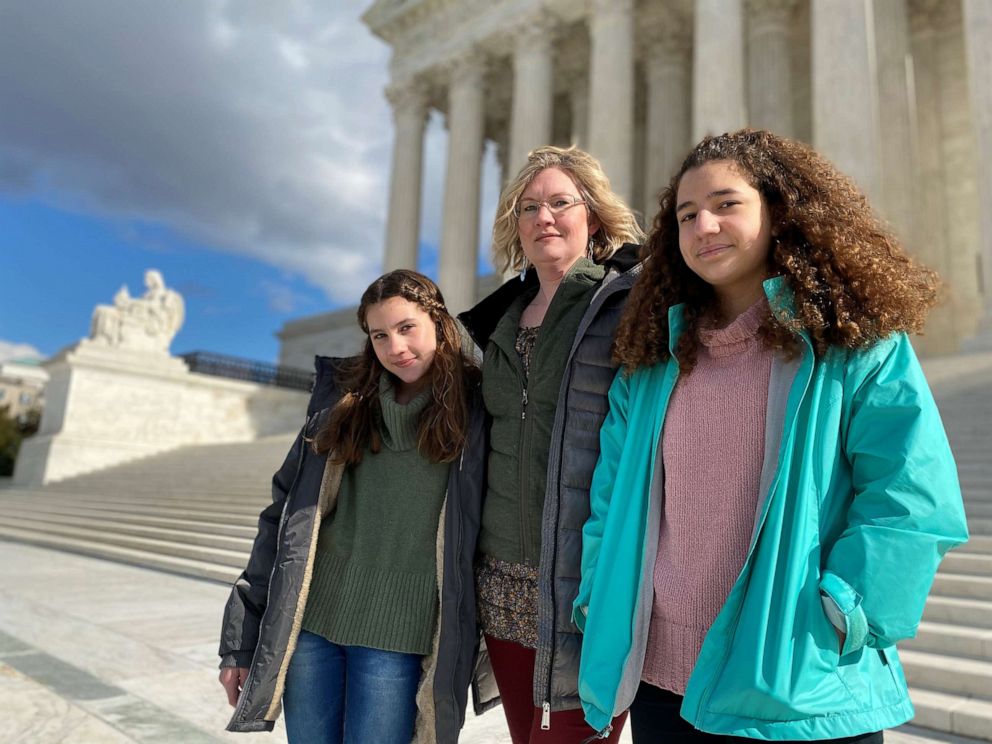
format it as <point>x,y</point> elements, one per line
<point>546,372</point>
<point>775,489</point>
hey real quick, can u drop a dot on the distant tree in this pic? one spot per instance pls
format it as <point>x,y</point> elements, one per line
<point>12,431</point>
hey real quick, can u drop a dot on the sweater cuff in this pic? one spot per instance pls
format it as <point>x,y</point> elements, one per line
<point>236,659</point>
<point>842,604</point>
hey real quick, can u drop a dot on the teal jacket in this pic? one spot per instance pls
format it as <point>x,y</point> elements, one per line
<point>859,499</point>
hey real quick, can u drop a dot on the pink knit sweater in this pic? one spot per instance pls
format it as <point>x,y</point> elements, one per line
<point>712,451</point>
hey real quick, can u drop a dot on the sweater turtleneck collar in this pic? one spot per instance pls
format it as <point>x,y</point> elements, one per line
<point>399,422</point>
<point>736,337</point>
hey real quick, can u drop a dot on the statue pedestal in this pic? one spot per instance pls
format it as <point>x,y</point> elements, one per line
<point>105,406</point>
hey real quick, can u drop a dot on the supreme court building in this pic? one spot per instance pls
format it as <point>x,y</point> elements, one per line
<point>898,93</point>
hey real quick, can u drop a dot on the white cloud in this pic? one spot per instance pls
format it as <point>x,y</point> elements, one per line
<point>10,350</point>
<point>252,126</point>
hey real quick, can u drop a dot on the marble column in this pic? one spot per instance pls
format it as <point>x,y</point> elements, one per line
<point>460,221</point>
<point>533,93</point>
<point>958,160</point>
<point>409,101</point>
<point>611,90</point>
<point>897,153</point>
<point>769,67</point>
<point>978,45</point>
<point>666,67</point>
<point>718,68</point>
<point>940,335</point>
<point>579,95</point>
<point>845,98</point>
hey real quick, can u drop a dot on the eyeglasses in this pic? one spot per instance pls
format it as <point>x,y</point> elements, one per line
<point>527,209</point>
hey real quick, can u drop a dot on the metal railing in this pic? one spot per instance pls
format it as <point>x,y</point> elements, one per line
<point>236,368</point>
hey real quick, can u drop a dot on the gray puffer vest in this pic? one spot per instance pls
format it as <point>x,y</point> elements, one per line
<point>573,452</point>
<point>265,610</point>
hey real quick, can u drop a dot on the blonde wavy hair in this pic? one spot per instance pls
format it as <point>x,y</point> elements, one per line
<point>617,222</point>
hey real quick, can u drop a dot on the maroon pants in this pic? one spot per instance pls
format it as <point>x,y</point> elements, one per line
<point>513,667</point>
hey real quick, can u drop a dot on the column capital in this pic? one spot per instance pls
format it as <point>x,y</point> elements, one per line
<point>602,8</point>
<point>664,41</point>
<point>466,67</point>
<point>534,31</point>
<point>407,96</point>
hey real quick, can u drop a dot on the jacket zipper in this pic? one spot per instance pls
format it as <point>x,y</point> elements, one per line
<point>524,469</point>
<point>598,299</point>
<point>239,712</point>
<point>703,699</point>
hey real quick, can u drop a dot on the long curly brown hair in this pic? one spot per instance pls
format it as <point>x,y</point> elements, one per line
<point>852,281</point>
<point>352,429</point>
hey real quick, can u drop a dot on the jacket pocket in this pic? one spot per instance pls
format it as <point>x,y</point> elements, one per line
<point>783,666</point>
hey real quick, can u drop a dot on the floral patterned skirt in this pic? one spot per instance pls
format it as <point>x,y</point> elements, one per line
<point>507,600</point>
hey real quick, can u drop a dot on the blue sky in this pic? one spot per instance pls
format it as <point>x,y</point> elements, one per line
<point>241,147</point>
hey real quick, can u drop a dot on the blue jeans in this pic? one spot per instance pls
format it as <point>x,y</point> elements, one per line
<point>349,694</point>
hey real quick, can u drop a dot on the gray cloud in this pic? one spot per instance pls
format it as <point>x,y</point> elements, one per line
<point>253,126</point>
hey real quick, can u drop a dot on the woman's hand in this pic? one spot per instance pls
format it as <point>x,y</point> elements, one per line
<point>233,679</point>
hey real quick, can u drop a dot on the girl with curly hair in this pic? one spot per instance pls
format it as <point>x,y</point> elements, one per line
<point>775,488</point>
<point>357,608</point>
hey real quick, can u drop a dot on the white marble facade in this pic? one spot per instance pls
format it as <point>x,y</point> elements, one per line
<point>895,92</point>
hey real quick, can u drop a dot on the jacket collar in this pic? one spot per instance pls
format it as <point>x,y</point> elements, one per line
<point>781,300</point>
<point>325,387</point>
<point>481,320</point>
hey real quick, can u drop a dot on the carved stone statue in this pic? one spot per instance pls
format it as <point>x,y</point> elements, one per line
<point>146,323</point>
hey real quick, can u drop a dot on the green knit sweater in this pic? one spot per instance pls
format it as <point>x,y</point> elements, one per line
<point>521,435</point>
<point>374,580</point>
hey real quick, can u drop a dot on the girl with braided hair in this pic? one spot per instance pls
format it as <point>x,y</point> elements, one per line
<point>357,608</point>
<point>775,489</point>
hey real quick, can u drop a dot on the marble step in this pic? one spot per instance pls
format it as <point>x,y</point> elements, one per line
<point>952,675</point>
<point>980,526</point>
<point>240,501</point>
<point>972,613</point>
<point>200,535</point>
<point>951,640</point>
<point>173,523</point>
<point>174,564</point>
<point>962,585</point>
<point>976,544</point>
<point>958,715</point>
<point>220,516</point>
<point>978,509</point>
<point>148,545</point>
<point>965,562</point>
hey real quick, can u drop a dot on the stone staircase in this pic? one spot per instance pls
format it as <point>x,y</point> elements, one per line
<point>949,662</point>
<point>193,511</point>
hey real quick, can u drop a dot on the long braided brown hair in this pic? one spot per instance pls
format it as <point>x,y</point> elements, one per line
<point>852,281</point>
<point>351,428</point>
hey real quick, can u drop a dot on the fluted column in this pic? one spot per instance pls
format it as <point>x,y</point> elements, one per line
<point>940,335</point>
<point>580,113</point>
<point>769,66</point>
<point>666,66</point>
<point>897,152</point>
<point>845,100</point>
<point>409,101</point>
<point>460,221</point>
<point>718,68</point>
<point>978,46</point>
<point>611,90</point>
<point>533,94</point>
